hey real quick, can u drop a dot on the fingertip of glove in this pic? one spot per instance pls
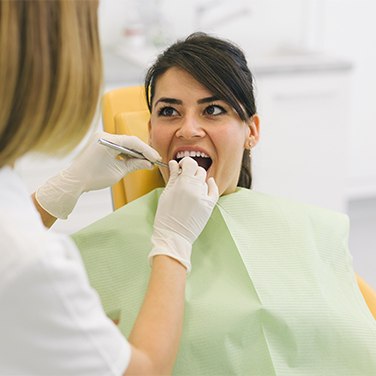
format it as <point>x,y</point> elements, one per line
<point>173,163</point>
<point>188,161</point>
<point>173,166</point>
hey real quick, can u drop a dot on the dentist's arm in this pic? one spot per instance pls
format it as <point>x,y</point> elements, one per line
<point>183,211</point>
<point>95,168</point>
<point>155,336</point>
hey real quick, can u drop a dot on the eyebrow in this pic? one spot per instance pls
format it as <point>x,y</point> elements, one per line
<point>168,100</point>
<point>178,101</point>
<point>208,99</point>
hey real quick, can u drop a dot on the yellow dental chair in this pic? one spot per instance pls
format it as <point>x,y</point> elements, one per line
<point>125,112</point>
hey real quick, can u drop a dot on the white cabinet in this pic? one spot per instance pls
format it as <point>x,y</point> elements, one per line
<point>302,153</point>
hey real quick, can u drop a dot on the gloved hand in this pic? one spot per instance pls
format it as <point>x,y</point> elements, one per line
<point>183,210</point>
<point>96,167</point>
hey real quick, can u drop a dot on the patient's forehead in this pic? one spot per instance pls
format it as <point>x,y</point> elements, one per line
<point>177,81</point>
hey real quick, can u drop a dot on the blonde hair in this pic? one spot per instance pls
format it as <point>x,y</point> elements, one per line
<point>50,75</point>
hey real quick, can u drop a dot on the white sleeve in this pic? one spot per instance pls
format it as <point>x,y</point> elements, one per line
<point>51,320</point>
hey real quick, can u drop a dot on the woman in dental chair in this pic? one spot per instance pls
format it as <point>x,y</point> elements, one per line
<point>272,290</point>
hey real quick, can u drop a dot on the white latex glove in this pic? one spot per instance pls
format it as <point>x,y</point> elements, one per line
<point>96,167</point>
<point>183,210</point>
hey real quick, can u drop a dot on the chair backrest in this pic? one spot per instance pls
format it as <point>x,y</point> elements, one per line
<point>369,295</point>
<point>125,112</point>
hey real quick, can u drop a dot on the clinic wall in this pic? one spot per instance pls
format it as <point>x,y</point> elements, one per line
<point>254,24</point>
<point>348,29</point>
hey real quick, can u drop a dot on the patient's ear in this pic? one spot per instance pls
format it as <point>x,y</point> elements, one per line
<point>253,131</point>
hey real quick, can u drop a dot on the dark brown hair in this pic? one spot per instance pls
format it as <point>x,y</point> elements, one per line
<point>221,67</point>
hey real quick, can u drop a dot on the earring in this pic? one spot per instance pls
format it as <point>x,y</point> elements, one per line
<point>250,145</point>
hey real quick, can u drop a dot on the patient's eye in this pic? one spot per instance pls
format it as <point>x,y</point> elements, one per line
<point>167,111</point>
<point>214,110</point>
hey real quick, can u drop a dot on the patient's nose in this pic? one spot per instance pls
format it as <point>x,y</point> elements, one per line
<point>191,127</point>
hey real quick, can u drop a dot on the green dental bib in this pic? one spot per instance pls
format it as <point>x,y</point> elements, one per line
<point>271,292</point>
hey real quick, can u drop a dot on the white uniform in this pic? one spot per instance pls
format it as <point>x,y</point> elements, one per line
<point>51,320</point>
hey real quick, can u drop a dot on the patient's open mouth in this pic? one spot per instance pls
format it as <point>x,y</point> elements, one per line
<point>202,159</point>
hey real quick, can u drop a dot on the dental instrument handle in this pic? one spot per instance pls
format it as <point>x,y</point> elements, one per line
<point>128,152</point>
<point>162,164</point>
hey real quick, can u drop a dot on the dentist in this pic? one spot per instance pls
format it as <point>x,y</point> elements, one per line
<point>51,320</point>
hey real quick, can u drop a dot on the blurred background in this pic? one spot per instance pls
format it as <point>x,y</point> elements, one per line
<point>314,67</point>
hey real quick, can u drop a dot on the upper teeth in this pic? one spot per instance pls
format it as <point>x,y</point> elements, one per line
<point>182,154</point>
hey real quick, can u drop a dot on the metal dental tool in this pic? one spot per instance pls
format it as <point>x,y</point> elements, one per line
<point>129,152</point>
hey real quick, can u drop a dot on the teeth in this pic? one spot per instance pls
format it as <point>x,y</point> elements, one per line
<point>186,153</point>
